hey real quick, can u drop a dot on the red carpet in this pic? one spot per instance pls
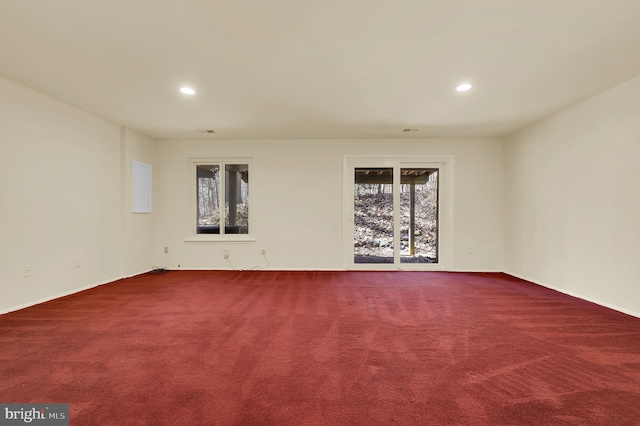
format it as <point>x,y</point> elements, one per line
<point>324,348</point>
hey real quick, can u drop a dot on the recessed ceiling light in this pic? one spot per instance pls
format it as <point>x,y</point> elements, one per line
<point>187,90</point>
<point>464,87</point>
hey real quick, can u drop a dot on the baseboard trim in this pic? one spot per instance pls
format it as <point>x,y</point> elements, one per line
<point>59,295</point>
<point>135,274</point>
<point>255,269</point>
<point>576,295</point>
<point>470,271</point>
<point>519,276</point>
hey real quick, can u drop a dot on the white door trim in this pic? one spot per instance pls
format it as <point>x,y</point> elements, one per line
<point>445,213</point>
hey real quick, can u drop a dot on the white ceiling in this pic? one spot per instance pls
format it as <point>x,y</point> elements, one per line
<point>320,68</point>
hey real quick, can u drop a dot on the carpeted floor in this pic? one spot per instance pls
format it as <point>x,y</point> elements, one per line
<point>324,348</point>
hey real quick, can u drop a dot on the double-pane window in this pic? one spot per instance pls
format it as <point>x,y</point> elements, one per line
<point>222,198</point>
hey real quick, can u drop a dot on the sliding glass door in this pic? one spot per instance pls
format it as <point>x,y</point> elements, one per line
<point>418,215</point>
<point>373,215</point>
<point>393,214</point>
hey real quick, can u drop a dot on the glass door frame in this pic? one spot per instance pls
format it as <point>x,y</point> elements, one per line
<point>444,164</point>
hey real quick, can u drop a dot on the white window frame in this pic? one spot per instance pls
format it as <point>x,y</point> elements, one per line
<point>193,200</point>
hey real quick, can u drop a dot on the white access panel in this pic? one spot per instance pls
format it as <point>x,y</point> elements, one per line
<point>141,191</point>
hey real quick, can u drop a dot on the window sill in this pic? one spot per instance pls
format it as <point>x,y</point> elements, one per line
<point>229,238</point>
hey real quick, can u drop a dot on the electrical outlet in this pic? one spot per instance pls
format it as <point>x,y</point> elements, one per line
<point>225,253</point>
<point>78,262</point>
<point>27,270</point>
<point>166,250</point>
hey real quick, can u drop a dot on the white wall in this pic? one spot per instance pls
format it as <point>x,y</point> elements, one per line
<point>138,227</point>
<point>65,194</point>
<point>296,201</point>
<point>571,190</point>
<point>572,200</point>
<point>61,198</point>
